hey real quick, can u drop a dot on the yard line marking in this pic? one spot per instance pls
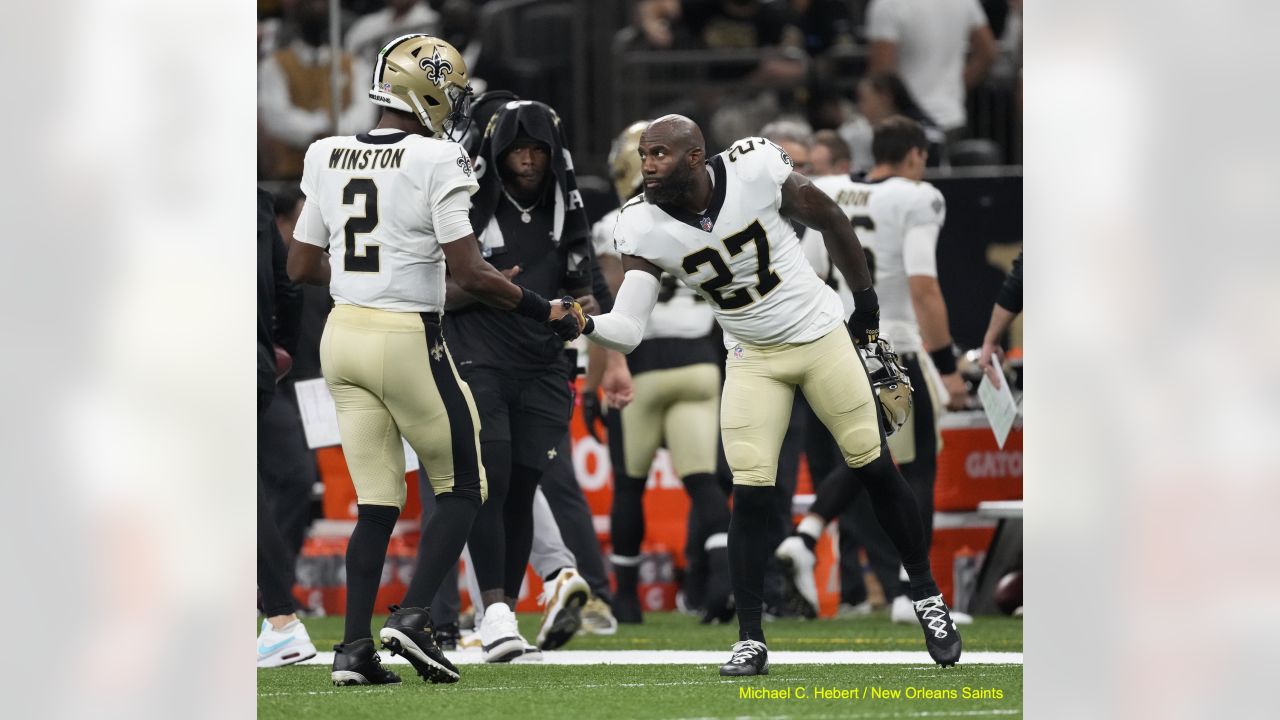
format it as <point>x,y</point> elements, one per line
<point>714,657</point>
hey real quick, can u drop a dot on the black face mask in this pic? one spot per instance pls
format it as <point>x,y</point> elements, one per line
<point>314,31</point>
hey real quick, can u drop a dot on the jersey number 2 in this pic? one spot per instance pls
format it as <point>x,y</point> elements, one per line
<point>768,279</point>
<point>368,260</point>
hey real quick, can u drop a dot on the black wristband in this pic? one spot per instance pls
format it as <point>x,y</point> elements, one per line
<point>532,305</point>
<point>589,327</point>
<point>944,358</point>
<point>866,301</point>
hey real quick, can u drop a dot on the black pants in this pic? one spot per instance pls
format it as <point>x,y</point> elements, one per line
<point>275,569</point>
<point>573,516</point>
<point>287,468</point>
<point>523,421</point>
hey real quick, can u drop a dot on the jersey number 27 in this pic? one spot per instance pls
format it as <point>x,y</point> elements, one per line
<point>768,279</point>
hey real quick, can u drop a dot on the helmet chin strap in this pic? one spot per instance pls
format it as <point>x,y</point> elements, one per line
<point>421,112</point>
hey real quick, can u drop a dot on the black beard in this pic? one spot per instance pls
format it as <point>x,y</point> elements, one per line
<point>671,190</point>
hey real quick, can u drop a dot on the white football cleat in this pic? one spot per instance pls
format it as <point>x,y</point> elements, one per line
<point>286,646</point>
<point>564,598</point>
<point>798,562</point>
<point>499,637</point>
<point>598,619</point>
<point>902,611</point>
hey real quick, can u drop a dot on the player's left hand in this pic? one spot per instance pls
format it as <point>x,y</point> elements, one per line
<point>593,414</point>
<point>617,385</point>
<point>569,325</point>
<point>864,328</point>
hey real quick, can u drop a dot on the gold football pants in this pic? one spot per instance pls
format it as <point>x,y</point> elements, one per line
<point>391,375</point>
<point>680,405</point>
<point>760,386</point>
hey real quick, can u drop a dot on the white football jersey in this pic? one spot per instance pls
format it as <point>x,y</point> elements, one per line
<point>680,312</point>
<point>376,194</point>
<point>740,254</point>
<point>882,211</point>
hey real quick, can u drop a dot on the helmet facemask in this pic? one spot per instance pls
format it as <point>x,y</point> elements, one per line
<point>890,384</point>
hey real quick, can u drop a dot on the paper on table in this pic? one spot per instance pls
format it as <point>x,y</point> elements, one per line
<point>998,405</point>
<point>320,419</point>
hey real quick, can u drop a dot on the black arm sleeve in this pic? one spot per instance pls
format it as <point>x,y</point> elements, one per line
<point>1010,297</point>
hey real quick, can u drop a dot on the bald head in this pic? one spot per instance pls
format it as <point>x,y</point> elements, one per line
<point>676,132</point>
<point>672,162</point>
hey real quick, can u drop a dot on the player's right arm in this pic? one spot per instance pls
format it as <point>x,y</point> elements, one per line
<point>480,280</point>
<point>622,329</point>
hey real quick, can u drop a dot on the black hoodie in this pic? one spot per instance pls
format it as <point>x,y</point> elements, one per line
<point>553,250</point>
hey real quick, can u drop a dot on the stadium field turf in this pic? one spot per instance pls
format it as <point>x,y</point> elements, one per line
<point>876,690</point>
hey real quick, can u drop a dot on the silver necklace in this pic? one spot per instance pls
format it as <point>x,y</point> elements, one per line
<point>525,217</point>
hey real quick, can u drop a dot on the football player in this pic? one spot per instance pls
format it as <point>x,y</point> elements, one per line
<point>721,226</point>
<point>898,217</point>
<point>390,207</point>
<point>676,375</point>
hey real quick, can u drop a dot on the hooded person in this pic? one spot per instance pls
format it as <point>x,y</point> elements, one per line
<point>523,120</point>
<point>531,224</point>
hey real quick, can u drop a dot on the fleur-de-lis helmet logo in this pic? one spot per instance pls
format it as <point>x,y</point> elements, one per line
<point>436,67</point>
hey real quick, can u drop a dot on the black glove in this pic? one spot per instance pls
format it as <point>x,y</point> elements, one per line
<point>864,323</point>
<point>864,327</point>
<point>593,414</point>
<point>570,326</point>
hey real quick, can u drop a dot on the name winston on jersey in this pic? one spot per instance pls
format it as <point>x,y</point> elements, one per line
<point>363,159</point>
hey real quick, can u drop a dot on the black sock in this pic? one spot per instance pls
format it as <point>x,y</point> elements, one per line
<point>627,576</point>
<point>442,542</point>
<point>896,510</point>
<point>750,528</point>
<point>366,552</point>
<point>837,491</point>
<point>712,506</point>
<point>626,517</point>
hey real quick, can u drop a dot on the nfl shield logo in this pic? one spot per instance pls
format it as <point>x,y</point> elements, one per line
<point>705,222</point>
<point>737,353</point>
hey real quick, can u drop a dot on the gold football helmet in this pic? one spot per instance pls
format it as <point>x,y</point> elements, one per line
<point>425,77</point>
<point>624,161</point>
<point>890,383</point>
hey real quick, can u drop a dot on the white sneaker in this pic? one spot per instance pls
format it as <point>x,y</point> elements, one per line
<point>798,563</point>
<point>286,646</point>
<point>902,610</point>
<point>528,654</point>
<point>499,637</point>
<point>562,616</point>
<point>469,640</point>
<point>961,618</point>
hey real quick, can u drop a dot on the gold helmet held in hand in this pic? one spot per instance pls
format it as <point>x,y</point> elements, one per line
<point>425,77</point>
<point>624,161</point>
<point>890,383</point>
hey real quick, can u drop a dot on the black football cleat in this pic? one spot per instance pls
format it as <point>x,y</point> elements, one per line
<point>408,633</point>
<point>750,657</point>
<point>356,663</point>
<point>447,636</point>
<point>940,634</point>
